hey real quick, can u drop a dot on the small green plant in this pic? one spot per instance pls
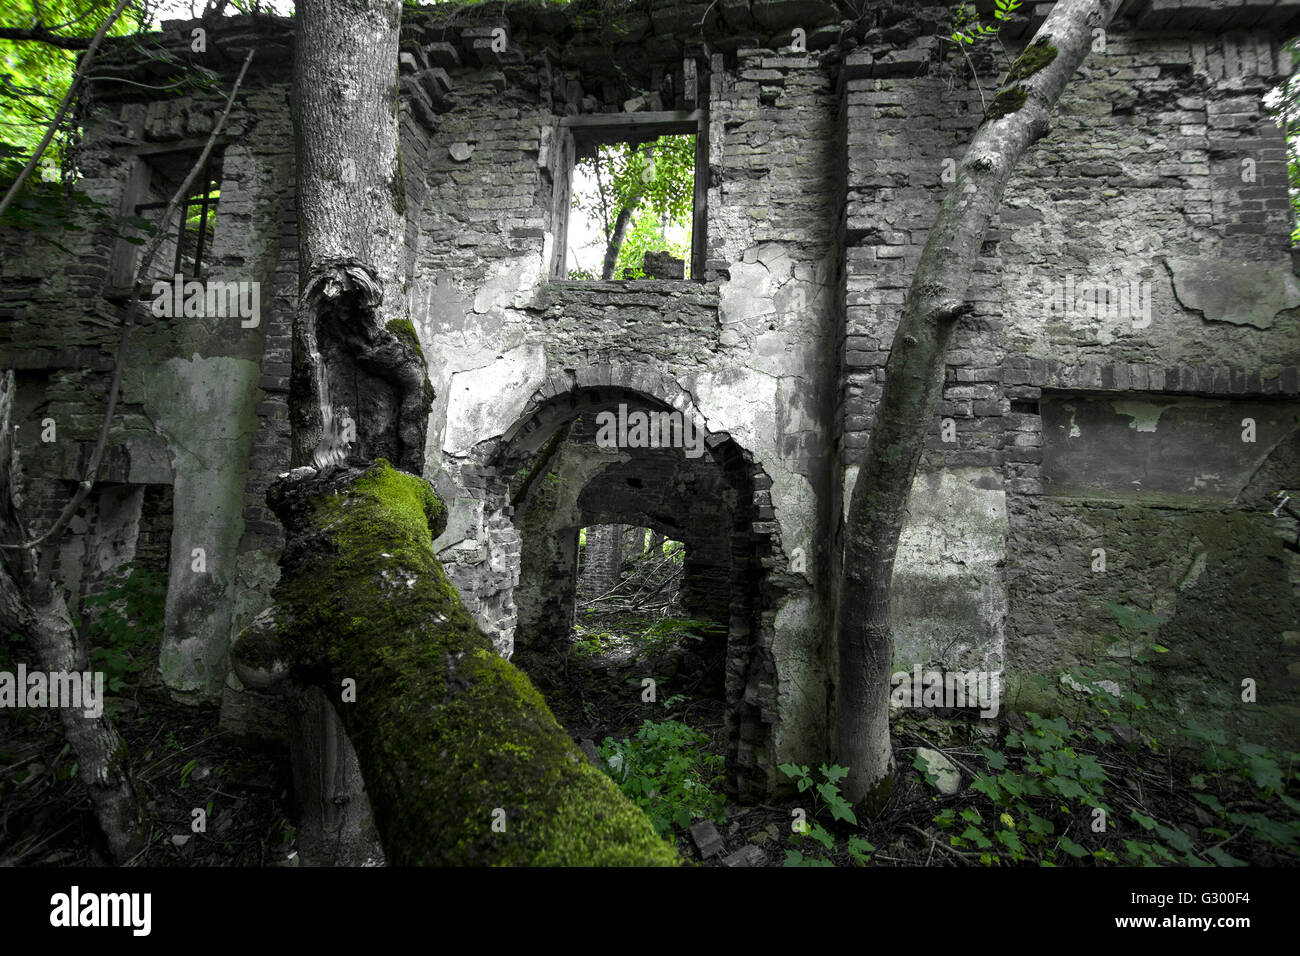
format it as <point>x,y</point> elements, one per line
<point>1042,788</point>
<point>1263,774</point>
<point>1031,797</point>
<point>670,702</point>
<point>665,770</point>
<point>283,832</point>
<point>1121,683</point>
<point>826,800</point>
<point>967,25</point>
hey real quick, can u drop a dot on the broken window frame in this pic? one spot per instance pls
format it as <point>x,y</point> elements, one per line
<point>135,200</point>
<point>205,200</point>
<point>574,136</point>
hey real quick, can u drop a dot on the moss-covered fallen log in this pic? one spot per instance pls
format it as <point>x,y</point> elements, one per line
<point>464,763</point>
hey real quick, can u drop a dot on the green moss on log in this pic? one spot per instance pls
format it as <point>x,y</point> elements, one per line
<point>1013,95</point>
<point>1036,56</point>
<point>446,731</point>
<point>1007,102</point>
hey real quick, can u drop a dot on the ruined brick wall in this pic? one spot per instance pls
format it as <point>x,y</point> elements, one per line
<point>201,421</point>
<point>1165,175</point>
<point>824,169</point>
<point>749,350</point>
<point>602,559</point>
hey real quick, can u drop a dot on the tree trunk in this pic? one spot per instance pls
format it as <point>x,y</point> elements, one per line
<point>32,605</point>
<point>615,244</point>
<point>358,389</point>
<point>463,762</point>
<point>1016,119</point>
<point>353,345</point>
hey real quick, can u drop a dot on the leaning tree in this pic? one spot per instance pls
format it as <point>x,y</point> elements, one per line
<point>1016,119</point>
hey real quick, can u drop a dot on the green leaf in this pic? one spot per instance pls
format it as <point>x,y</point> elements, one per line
<point>1175,838</point>
<point>1074,849</point>
<point>1265,771</point>
<point>988,787</point>
<point>834,773</point>
<point>1145,822</point>
<point>1066,787</point>
<point>1222,858</point>
<point>819,833</point>
<point>840,808</point>
<point>1011,841</point>
<point>996,759</point>
<point>1209,800</point>
<point>860,850</point>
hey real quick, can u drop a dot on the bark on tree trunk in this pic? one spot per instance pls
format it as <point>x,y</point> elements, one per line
<point>358,384</point>
<point>34,607</point>
<point>1016,119</point>
<point>615,244</point>
<point>358,389</point>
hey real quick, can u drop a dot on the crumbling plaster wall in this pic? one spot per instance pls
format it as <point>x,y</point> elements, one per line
<point>1162,169</point>
<point>751,347</point>
<point>825,170</point>
<point>1169,180</point>
<point>201,387</point>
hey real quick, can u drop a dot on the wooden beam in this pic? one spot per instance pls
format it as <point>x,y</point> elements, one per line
<point>698,226</point>
<point>630,127</point>
<point>172,146</point>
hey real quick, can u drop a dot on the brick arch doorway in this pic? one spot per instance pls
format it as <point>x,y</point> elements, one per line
<point>551,477</point>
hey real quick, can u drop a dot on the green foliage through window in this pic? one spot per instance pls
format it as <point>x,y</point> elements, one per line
<point>629,200</point>
<point>126,625</point>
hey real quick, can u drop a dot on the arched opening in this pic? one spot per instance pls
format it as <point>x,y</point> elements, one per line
<point>579,460</point>
<point>637,620</point>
